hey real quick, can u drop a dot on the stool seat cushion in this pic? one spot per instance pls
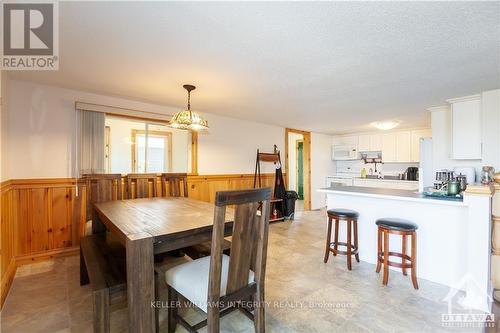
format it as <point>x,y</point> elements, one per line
<point>342,212</point>
<point>396,224</point>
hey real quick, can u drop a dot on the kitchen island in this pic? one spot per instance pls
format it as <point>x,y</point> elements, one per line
<point>453,238</point>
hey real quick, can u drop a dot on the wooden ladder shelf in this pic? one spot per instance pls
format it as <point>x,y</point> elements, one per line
<point>277,201</point>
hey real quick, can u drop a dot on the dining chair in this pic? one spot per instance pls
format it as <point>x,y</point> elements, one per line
<point>101,187</point>
<point>141,185</point>
<point>219,283</point>
<point>174,184</point>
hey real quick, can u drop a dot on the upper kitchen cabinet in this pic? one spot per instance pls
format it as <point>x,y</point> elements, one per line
<point>364,142</point>
<point>396,147</point>
<point>376,142</point>
<point>389,147</point>
<point>403,146</point>
<point>416,135</point>
<point>370,142</point>
<point>466,128</point>
<point>345,140</point>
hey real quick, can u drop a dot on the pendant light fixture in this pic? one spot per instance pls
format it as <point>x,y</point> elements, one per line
<point>187,119</point>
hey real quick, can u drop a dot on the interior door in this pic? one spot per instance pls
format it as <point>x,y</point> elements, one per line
<point>300,169</point>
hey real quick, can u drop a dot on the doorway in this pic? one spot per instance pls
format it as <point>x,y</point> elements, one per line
<point>297,166</point>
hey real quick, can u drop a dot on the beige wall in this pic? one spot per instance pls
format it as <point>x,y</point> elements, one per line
<point>4,88</point>
<point>230,145</point>
<point>321,167</point>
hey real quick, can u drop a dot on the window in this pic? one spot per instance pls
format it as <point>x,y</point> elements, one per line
<point>138,146</point>
<point>151,152</point>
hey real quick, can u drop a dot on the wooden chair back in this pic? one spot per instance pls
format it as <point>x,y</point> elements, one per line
<point>248,250</point>
<point>141,185</point>
<point>174,184</point>
<point>102,187</point>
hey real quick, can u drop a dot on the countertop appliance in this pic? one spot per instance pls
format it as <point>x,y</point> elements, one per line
<point>345,152</point>
<point>411,173</point>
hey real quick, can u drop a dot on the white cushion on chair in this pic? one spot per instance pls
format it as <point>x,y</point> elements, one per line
<point>88,228</point>
<point>191,279</point>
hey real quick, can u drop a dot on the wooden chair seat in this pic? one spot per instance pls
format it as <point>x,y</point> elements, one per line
<point>102,263</point>
<point>191,280</point>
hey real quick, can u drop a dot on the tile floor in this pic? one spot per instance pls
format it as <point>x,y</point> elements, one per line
<point>305,295</point>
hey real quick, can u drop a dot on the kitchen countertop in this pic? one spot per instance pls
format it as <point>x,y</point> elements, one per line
<point>404,195</point>
<point>351,176</point>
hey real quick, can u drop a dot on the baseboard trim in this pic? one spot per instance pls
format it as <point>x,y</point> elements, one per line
<point>7,281</point>
<point>45,255</point>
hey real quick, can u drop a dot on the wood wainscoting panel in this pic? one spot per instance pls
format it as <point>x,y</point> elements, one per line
<point>60,211</point>
<point>204,187</point>
<point>7,241</point>
<point>38,219</point>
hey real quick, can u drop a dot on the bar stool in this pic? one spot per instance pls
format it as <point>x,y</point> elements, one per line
<point>351,217</point>
<point>404,228</point>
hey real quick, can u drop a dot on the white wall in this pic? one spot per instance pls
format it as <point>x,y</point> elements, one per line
<point>441,135</point>
<point>292,160</point>
<point>41,123</point>
<point>321,166</point>
<point>230,146</point>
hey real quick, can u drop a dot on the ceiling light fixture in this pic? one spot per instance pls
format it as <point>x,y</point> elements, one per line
<point>187,119</point>
<point>385,125</point>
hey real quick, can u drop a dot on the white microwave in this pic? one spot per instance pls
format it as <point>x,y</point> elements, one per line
<point>345,152</point>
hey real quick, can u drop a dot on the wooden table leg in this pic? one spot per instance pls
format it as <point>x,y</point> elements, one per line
<point>140,283</point>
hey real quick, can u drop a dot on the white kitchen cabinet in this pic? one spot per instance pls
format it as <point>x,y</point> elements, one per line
<point>345,140</point>
<point>376,142</point>
<point>389,147</point>
<point>416,135</point>
<point>403,146</point>
<point>466,128</point>
<point>398,147</point>
<point>364,142</point>
<point>370,142</point>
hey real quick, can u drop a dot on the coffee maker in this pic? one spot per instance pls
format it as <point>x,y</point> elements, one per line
<point>411,173</point>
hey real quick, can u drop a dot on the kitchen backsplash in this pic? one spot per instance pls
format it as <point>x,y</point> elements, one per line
<point>386,169</point>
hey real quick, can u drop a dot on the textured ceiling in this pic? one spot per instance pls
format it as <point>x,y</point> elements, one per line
<point>330,67</point>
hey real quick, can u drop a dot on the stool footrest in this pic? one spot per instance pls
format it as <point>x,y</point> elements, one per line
<point>395,264</point>
<point>353,251</point>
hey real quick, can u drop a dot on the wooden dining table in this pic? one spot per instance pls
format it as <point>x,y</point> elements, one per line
<point>151,226</point>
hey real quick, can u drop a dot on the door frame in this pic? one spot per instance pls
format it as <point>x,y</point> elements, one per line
<point>306,163</point>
